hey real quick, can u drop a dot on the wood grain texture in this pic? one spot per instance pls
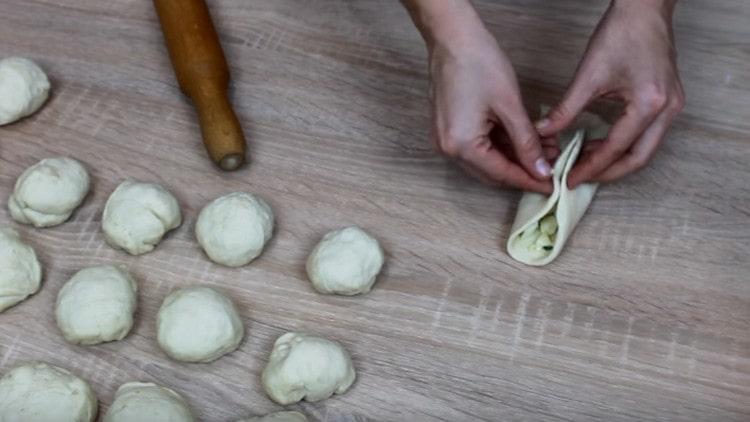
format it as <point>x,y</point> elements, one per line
<point>645,316</point>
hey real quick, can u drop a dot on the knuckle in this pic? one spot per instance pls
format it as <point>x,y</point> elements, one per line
<point>678,103</point>
<point>527,144</point>
<point>452,142</point>
<point>653,99</point>
<point>596,76</point>
<point>450,149</point>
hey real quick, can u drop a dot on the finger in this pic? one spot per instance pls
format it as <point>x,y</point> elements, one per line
<point>524,138</point>
<point>622,135</point>
<point>497,168</point>
<point>580,93</point>
<point>550,148</point>
<point>550,141</point>
<point>551,153</point>
<point>591,146</point>
<point>640,153</point>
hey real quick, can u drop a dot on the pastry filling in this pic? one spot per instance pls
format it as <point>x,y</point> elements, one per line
<point>541,237</point>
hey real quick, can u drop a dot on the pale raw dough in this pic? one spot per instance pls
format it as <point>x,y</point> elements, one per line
<point>47,193</point>
<point>345,262</point>
<point>23,89</point>
<point>39,392</point>
<point>147,402</point>
<point>544,223</point>
<point>278,417</point>
<point>20,271</point>
<point>233,229</point>
<point>309,367</point>
<point>97,305</point>
<point>137,216</point>
<point>198,324</point>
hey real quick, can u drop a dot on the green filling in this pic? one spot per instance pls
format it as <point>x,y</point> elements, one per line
<point>541,238</point>
<point>548,225</point>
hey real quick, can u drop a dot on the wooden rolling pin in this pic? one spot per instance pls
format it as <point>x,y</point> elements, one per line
<point>203,74</point>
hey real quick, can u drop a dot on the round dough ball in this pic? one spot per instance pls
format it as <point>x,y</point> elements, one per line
<point>345,262</point>
<point>47,193</point>
<point>198,324</point>
<point>97,305</point>
<point>144,401</point>
<point>137,216</point>
<point>304,366</point>
<point>23,89</point>
<point>40,392</point>
<point>233,229</point>
<point>278,417</point>
<point>20,272</point>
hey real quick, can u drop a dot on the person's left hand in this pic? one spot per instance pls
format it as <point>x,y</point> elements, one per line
<point>631,57</point>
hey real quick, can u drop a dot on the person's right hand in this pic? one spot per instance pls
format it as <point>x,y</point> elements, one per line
<point>631,57</point>
<point>474,92</point>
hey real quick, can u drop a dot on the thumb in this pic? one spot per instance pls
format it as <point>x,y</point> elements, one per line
<point>524,139</point>
<point>561,116</point>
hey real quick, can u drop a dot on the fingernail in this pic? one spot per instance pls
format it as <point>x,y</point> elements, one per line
<point>540,125</point>
<point>542,167</point>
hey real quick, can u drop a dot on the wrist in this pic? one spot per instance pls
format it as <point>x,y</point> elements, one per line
<point>447,25</point>
<point>663,7</point>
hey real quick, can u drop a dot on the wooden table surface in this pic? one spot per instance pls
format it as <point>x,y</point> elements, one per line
<point>645,316</point>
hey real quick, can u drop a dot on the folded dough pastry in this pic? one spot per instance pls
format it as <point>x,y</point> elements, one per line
<point>544,223</point>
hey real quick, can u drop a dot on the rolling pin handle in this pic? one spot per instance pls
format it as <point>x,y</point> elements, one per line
<point>203,74</point>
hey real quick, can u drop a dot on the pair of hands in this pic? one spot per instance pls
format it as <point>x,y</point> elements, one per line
<point>480,121</point>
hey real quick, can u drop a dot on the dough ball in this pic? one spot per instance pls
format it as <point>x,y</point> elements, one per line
<point>144,401</point>
<point>304,366</point>
<point>20,272</point>
<point>40,392</point>
<point>233,229</point>
<point>23,89</point>
<point>96,305</point>
<point>47,193</point>
<point>137,216</point>
<point>345,262</point>
<point>198,324</point>
<point>278,417</point>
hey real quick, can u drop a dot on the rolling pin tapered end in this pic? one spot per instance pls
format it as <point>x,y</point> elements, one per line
<point>231,162</point>
<point>221,130</point>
